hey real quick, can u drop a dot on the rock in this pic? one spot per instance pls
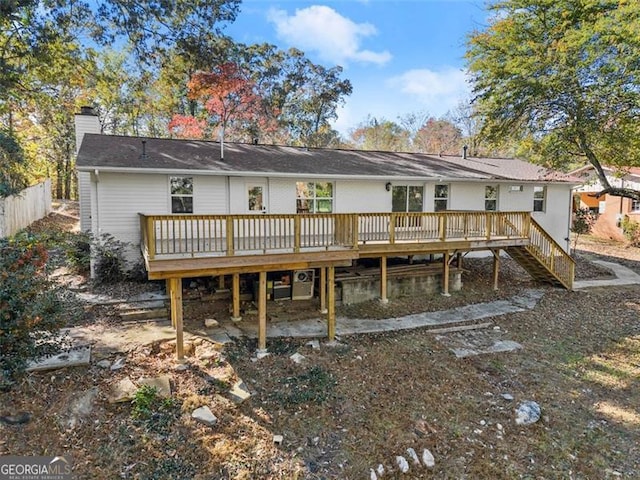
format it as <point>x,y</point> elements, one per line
<point>162,384</point>
<point>260,354</point>
<point>297,358</point>
<point>211,323</point>
<point>373,475</point>
<point>118,364</point>
<point>239,392</point>
<point>413,455</point>
<point>189,349</point>
<point>204,415</point>
<point>427,458</point>
<point>80,408</point>
<point>403,465</point>
<point>123,391</point>
<point>75,357</point>
<point>104,364</point>
<point>507,396</point>
<point>17,419</point>
<point>315,344</point>
<point>528,413</point>
<point>181,367</point>
<point>380,470</point>
<point>277,439</point>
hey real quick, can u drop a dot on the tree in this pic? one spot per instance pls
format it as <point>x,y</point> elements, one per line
<point>374,134</point>
<point>562,76</point>
<point>438,136</point>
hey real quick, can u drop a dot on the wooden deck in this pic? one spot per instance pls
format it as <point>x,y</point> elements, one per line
<point>179,246</point>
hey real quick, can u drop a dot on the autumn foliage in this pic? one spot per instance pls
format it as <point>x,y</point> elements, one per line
<point>30,308</point>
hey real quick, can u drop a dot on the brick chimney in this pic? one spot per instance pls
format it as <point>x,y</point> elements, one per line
<point>86,122</point>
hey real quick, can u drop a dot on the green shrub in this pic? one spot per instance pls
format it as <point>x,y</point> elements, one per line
<point>31,308</point>
<point>154,412</point>
<point>110,265</point>
<point>631,231</point>
<point>78,252</point>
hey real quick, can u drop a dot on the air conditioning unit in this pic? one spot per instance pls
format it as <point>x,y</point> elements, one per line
<point>302,284</point>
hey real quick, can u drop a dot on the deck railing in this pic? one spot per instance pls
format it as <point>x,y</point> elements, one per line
<point>548,252</point>
<point>227,235</point>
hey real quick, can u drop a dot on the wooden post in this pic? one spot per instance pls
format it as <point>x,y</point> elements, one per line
<point>459,260</point>
<point>323,290</point>
<point>496,267</point>
<point>235,316</point>
<point>445,274</point>
<point>331,291</point>
<point>383,280</point>
<point>170,293</point>
<point>220,282</point>
<point>176,314</point>
<point>262,313</point>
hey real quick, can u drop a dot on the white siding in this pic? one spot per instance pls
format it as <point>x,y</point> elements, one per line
<point>361,196</point>
<point>514,201</point>
<point>556,217</point>
<point>282,195</point>
<point>209,195</point>
<point>120,197</point>
<point>467,196</point>
<point>84,196</point>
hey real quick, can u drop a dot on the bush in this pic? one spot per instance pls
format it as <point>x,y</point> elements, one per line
<point>583,221</point>
<point>31,309</point>
<point>631,231</point>
<point>110,265</point>
<point>78,252</point>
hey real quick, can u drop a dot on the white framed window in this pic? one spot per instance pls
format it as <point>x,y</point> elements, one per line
<point>407,198</point>
<point>314,197</point>
<point>516,188</point>
<point>181,189</point>
<point>491,198</point>
<point>539,198</point>
<point>635,205</point>
<point>441,198</point>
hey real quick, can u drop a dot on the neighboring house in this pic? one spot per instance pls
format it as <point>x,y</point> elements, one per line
<point>197,208</point>
<point>609,210</point>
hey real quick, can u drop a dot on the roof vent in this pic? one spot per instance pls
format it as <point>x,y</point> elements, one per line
<point>255,141</point>
<point>144,150</point>
<point>464,152</point>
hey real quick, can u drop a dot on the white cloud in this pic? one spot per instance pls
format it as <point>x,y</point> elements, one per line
<point>323,30</point>
<point>437,91</point>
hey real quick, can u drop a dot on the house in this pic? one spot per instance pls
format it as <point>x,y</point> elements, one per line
<point>609,210</point>
<point>199,208</point>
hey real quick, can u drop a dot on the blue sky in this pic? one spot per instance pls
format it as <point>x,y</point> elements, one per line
<point>402,56</point>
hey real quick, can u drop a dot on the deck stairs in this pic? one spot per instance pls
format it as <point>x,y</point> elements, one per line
<point>544,259</point>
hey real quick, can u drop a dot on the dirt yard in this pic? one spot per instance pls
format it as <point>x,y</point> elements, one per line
<point>350,407</point>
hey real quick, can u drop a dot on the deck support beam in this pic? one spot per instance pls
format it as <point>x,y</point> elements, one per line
<point>383,280</point>
<point>175,293</point>
<point>496,267</point>
<point>331,294</point>
<point>445,274</point>
<point>235,292</point>
<point>262,313</point>
<point>221,282</point>
<point>323,290</point>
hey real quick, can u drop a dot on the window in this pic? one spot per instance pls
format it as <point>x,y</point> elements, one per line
<point>516,188</point>
<point>314,197</point>
<point>491,198</point>
<point>406,198</point>
<point>441,198</point>
<point>256,198</point>
<point>635,205</point>
<point>539,196</point>
<point>181,194</point>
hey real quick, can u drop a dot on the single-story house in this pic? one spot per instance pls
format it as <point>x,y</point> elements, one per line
<point>609,210</point>
<point>201,208</point>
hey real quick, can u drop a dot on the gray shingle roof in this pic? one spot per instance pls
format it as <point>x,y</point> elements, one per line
<point>112,152</point>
